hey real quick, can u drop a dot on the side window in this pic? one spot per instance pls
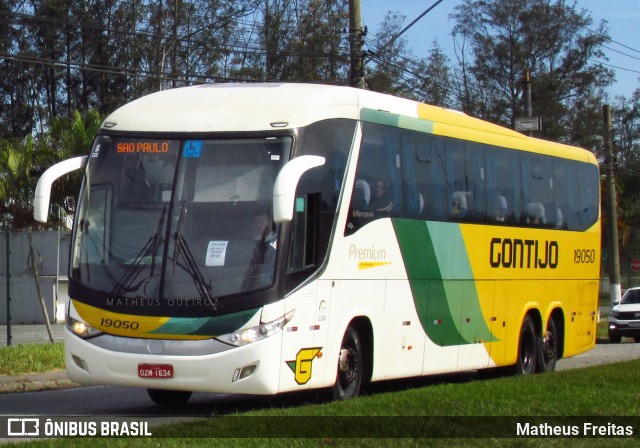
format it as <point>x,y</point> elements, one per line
<point>588,195</point>
<point>304,234</point>
<point>565,175</point>
<point>539,206</point>
<point>476,183</point>
<point>503,187</point>
<point>457,189</point>
<point>377,190</point>
<point>428,170</point>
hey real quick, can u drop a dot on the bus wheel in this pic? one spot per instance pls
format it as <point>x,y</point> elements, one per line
<point>169,397</point>
<point>548,354</point>
<point>527,348</point>
<point>350,367</point>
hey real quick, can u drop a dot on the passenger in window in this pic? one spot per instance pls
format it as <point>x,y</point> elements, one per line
<point>499,208</point>
<point>536,214</point>
<point>361,195</point>
<point>459,205</point>
<point>380,201</point>
<point>559,219</point>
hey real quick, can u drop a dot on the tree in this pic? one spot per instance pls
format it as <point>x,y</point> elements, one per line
<point>23,161</point>
<point>547,37</point>
<point>435,77</point>
<point>626,123</point>
<point>391,58</point>
<point>302,40</point>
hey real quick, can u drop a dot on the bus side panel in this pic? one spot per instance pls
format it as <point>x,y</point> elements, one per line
<point>584,318</point>
<point>302,357</point>
<point>404,339</point>
<point>349,300</point>
<point>493,293</point>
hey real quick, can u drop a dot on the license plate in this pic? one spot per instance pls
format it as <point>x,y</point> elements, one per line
<point>162,371</point>
<point>634,324</point>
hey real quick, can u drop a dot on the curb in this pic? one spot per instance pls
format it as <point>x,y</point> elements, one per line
<point>35,382</point>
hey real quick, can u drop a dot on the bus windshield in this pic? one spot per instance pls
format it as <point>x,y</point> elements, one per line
<point>168,219</point>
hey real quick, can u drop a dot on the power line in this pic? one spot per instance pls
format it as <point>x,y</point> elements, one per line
<point>615,66</point>
<point>611,40</point>
<point>393,39</point>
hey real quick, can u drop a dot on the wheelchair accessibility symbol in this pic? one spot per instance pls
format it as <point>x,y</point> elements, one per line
<point>192,148</point>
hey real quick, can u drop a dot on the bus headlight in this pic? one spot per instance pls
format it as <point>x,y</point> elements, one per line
<point>81,329</point>
<point>253,334</point>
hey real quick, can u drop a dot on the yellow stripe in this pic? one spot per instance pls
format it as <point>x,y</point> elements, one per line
<point>117,323</point>
<point>371,264</point>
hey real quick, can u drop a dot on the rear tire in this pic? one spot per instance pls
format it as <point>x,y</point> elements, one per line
<point>350,367</point>
<point>548,353</point>
<point>169,397</point>
<point>527,348</point>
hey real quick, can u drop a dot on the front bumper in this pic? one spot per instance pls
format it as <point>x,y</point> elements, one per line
<point>88,363</point>
<point>628,328</point>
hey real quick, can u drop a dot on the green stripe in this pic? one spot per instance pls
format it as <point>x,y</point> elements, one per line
<point>206,326</point>
<point>397,121</point>
<point>441,281</point>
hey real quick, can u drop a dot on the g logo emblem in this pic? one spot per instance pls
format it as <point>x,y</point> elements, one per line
<point>301,367</point>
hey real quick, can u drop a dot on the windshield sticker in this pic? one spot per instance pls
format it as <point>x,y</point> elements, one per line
<point>216,253</point>
<point>192,148</point>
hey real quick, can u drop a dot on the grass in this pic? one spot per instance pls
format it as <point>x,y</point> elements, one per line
<point>31,358</point>
<point>391,414</point>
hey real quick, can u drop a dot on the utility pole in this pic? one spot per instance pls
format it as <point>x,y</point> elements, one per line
<point>356,34</point>
<point>527,87</point>
<point>614,254</point>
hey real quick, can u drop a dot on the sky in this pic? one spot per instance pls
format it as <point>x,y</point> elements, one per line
<point>622,16</point>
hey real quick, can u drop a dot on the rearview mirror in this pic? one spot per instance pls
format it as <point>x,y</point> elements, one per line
<point>43,188</point>
<point>284,188</point>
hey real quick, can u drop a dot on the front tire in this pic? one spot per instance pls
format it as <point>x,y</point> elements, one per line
<point>350,367</point>
<point>169,397</point>
<point>615,338</point>
<point>548,353</point>
<point>527,349</point>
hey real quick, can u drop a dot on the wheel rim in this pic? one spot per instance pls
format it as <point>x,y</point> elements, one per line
<point>349,366</point>
<point>549,346</point>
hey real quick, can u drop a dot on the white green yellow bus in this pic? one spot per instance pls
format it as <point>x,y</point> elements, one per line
<point>265,238</point>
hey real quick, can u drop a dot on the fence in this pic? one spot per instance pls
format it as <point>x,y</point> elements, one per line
<point>33,285</point>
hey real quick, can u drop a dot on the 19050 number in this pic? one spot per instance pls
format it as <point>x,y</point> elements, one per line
<point>584,256</point>
<point>117,323</point>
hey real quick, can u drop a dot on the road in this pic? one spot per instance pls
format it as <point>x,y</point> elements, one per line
<point>103,400</point>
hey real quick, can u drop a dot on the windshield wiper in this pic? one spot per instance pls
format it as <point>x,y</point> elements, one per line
<point>126,282</point>
<point>191,266</point>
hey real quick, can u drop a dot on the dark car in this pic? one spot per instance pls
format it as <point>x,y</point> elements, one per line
<point>624,319</point>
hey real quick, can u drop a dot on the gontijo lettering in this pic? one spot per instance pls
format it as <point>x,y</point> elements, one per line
<point>523,254</point>
<point>142,147</point>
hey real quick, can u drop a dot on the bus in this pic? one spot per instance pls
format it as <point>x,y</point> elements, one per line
<point>267,238</point>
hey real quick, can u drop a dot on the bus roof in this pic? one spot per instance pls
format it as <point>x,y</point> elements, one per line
<point>237,107</point>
